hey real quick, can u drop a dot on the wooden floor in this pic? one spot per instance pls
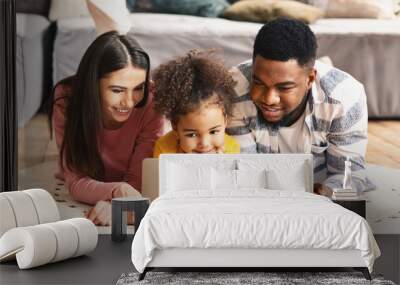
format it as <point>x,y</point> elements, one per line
<point>35,146</point>
<point>384,143</point>
<point>34,143</point>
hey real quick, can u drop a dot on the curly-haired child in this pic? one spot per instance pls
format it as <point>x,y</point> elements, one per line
<point>195,93</point>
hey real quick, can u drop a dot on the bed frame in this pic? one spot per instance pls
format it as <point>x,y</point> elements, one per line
<point>246,259</point>
<point>242,259</point>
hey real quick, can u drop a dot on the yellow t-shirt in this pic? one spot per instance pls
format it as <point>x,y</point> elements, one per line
<point>169,144</point>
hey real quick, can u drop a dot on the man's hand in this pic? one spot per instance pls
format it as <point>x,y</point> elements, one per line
<point>322,190</point>
<point>125,190</point>
<point>100,214</point>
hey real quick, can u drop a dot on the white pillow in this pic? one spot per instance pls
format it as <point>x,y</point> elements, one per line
<point>64,9</point>
<point>183,177</point>
<point>292,179</point>
<point>252,178</point>
<point>283,173</point>
<point>223,179</point>
<point>229,179</point>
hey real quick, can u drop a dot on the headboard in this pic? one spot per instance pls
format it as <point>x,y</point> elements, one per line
<point>233,161</point>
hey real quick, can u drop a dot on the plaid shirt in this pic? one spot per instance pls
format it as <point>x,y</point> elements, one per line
<point>336,121</point>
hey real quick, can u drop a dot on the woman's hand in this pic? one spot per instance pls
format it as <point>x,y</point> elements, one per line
<point>100,214</point>
<point>125,190</point>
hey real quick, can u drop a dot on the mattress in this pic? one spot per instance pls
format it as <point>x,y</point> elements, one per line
<point>251,219</point>
<point>376,63</point>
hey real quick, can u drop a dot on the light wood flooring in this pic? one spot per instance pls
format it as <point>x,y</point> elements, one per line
<point>384,143</point>
<point>35,145</point>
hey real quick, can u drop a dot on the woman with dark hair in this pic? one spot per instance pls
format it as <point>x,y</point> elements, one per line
<point>105,124</point>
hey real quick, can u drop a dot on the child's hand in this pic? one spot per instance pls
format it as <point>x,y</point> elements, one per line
<point>221,150</point>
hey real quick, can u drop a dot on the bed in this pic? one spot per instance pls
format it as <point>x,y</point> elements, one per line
<point>237,211</point>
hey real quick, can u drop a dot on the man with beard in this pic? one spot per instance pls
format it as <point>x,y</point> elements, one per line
<point>288,102</point>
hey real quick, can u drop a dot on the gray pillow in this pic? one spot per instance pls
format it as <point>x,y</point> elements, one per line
<point>204,8</point>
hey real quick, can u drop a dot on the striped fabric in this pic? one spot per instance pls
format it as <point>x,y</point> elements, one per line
<point>336,121</point>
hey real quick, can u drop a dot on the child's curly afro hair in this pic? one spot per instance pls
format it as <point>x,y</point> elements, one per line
<point>183,84</point>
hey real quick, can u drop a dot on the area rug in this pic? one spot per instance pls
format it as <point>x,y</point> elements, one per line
<point>243,278</point>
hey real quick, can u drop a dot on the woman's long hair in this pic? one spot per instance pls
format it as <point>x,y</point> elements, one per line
<point>108,53</point>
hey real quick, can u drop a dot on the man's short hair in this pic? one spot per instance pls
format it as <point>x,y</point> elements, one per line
<point>285,39</point>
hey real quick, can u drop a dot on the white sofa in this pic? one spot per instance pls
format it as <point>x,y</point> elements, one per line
<point>368,49</point>
<point>33,64</point>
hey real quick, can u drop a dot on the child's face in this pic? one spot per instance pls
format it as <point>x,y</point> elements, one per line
<point>120,91</point>
<point>203,130</point>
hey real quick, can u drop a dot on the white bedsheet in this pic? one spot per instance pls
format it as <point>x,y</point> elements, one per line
<point>250,219</point>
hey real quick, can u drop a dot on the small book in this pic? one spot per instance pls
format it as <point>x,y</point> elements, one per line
<point>342,190</point>
<point>345,194</point>
<point>346,198</point>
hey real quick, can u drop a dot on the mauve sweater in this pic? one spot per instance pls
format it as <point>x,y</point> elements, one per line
<point>122,150</point>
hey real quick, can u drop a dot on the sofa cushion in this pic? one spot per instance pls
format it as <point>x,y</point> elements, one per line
<point>63,9</point>
<point>204,8</point>
<point>110,16</point>
<point>376,9</point>
<point>266,10</point>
